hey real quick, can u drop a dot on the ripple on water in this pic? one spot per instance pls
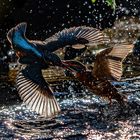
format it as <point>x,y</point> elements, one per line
<point>83,116</point>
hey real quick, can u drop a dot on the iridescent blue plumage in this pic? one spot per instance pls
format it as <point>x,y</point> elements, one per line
<point>17,37</point>
<point>22,44</point>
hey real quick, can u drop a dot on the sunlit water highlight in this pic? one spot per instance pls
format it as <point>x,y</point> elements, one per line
<point>83,116</point>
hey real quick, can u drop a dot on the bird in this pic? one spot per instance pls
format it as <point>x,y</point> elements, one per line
<point>38,55</point>
<point>107,67</point>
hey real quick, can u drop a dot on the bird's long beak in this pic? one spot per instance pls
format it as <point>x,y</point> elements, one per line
<point>67,66</point>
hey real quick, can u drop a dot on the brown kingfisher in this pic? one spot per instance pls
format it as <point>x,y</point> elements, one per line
<point>107,67</point>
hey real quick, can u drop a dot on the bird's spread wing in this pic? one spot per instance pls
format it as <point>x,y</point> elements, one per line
<point>16,36</point>
<point>74,35</point>
<point>108,64</point>
<point>19,28</point>
<point>35,92</point>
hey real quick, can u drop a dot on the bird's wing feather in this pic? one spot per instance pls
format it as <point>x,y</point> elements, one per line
<point>74,35</point>
<point>20,27</point>
<point>108,64</point>
<point>35,92</point>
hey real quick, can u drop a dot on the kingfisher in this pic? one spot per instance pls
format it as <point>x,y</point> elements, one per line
<point>107,67</point>
<point>37,55</point>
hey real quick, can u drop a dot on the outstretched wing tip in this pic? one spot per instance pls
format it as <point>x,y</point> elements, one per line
<point>116,66</point>
<point>49,108</point>
<point>92,35</point>
<point>21,27</point>
<point>109,62</point>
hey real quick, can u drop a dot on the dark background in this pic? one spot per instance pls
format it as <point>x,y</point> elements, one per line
<point>45,17</point>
